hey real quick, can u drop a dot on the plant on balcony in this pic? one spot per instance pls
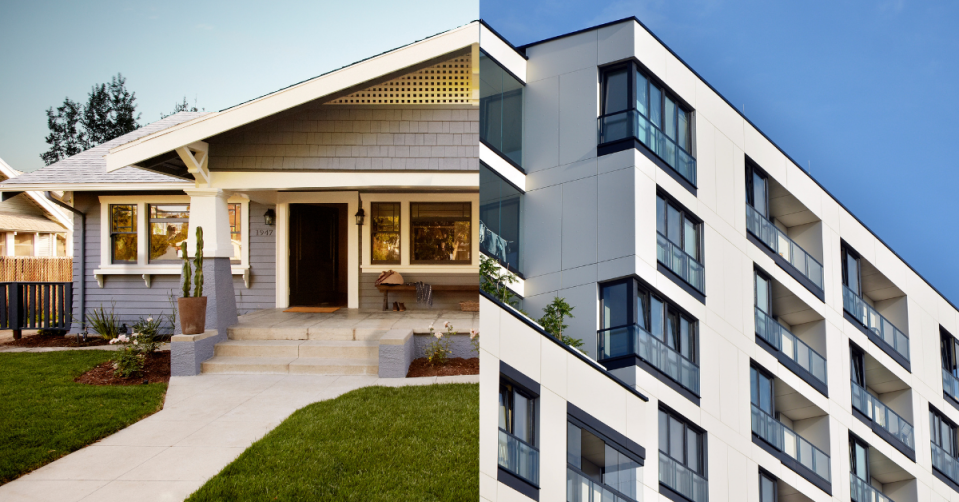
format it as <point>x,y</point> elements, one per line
<point>193,309</point>
<point>552,321</point>
<point>494,280</point>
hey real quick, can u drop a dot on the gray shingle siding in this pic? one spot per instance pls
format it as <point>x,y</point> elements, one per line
<point>334,137</point>
<point>131,296</point>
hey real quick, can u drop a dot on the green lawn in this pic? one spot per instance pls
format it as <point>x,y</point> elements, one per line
<point>375,443</point>
<point>44,414</point>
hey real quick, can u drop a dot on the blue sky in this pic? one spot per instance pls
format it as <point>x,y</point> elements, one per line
<point>219,53</point>
<point>863,90</point>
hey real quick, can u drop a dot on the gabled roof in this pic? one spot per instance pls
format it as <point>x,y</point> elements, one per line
<point>89,166</point>
<point>14,216</point>
<point>161,143</point>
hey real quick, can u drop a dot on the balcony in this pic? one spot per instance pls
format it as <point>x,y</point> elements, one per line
<point>884,334</point>
<point>945,464</point>
<point>580,488</point>
<point>796,350</point>
<point>680,479</point>
<point>783,439</point>
<point>634,341</point>
<point>891,427</point>
<point>632,124</point>
<point>950,384</point>
<point>680,263</point>
<point>792,254</point>
<point>861,491</point>
<point>518,457</point>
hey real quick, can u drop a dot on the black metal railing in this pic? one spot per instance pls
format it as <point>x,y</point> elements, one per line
<point>35,305</point>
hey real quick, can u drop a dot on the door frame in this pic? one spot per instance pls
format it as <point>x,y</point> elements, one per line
<point>283,201</point>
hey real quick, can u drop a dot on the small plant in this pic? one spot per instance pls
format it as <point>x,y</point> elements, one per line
<point>552,321</point>
<point>185,273</point>
<point>130,359</point>
<point>147,333</point>
<point>198,264</point>
<point>494,280</point>
<point>439,350</point>
<point>106,324</point>
<point>474,341</point>
<point>173,308</point>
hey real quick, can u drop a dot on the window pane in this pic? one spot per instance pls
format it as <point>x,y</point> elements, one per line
<point>501,110</point>
<point>661,215</point>
<point>655,105</point>
<point>663,432</point>
<point>656,317</point>
<point>676,431</point>
<point>504,393</point>
<point>672,331</point>
<point>441,232</point>
<point>385,232</point>
<point>762,294</point>
<point>753,386</point>
<point>641,94</point>
<point>123,233</point>
<point>669,126</point>
<point>852,273</point>
<point>693,460</point>
<point>165,239</point>
<point>759,194</point>
<point>236,230</point>
<point>500,216</point>
<point>765,394</point>
<point>615,94</point>
<point>611,466</point>
<point>521,417</point>
<point>673,225</point>
<point>23,244</point>
<point>682,129</point>
<point>574,445</point>
<point>767,491</point>
<point>686,339</point>
<point>166,211</point>
<point>615,307</point>
<point>691,239</point>
<point>860,460</point>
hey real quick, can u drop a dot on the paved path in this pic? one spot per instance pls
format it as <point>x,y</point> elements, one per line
<point>206,422</point>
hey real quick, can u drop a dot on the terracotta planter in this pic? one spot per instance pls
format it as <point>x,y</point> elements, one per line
<point>192,315</point>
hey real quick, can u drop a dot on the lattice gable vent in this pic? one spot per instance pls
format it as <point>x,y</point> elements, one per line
<point>448,82</point>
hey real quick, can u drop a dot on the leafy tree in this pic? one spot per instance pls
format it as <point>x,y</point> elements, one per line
<point>552,321</point>
<point>66,137</point>
<point>183,106</point>
<point>110,112</point>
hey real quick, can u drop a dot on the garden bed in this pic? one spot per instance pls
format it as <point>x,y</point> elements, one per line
<point>42,340</point>
<point>421,367</point>
<point>156,369</point>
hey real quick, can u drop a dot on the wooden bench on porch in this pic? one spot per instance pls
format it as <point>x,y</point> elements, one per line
<point>459,288</point>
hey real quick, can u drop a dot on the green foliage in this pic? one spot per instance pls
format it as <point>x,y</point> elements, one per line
<point>494,279</point>
<point>128,361</point>
<point>45,415</point>
<point>198,264</point>
<point>372,444</point>
<point>186,273</point>
<point>182,107</point>
<point>552,321</point>
<point>148,333</point>
<point>110,112</point>
<point>439,351</point>
<point>105,324</point>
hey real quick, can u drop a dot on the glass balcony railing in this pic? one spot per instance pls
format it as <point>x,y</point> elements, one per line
<point>861,491</point>
<point>682,480</point>
<point>633,340</point>
<point>869,405</point>
<point>518,457</point>
<point>632,124</point>
<point>776,335</point>
<point>872,320</point>
<point>785,440</point>
<point>782,245</point>
<point>580,488</point>
<point>945,463</point>
<point>950,384</point>
<point>680,263</point>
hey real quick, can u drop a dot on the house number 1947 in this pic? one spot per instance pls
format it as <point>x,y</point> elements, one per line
<point>264,232</point>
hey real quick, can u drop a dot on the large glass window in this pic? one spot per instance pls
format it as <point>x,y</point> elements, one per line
<point>681,442</point>
<point>441,232</point>
<point>598,471</point>
<point>169,226</point>
<point>768,488</point>
<point>123,233</point>
<point>517,432</point>
<point>630,303</point>
<point>761,390</point>
<point>501,110</point>
<point>763,293</point>
<point>500,215</point>
<point>942,432</point>
<point>385,232</point>
<point>859,459</point>
<point>851,271</point>
<point>757,190</point>
<point>857,366</point>
<point>949,349</point>
<point>676,225</point>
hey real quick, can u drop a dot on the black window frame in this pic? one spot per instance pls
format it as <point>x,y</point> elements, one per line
<point>764,474</point>
<point>753,169</point>
<point>949,351</point>
<point>759,273</point>
<point>398,231</point>
<point>853,442</point>
<point>936,420</point>
<point>845,253</point>
<point>518,202</point>
<point>584,425</point>
<point>687,427</point>
<point>760,372</point>
<point>684,214</point>
<point>857,366</point>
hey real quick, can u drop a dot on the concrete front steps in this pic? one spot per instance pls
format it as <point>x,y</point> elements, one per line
<point>337,354</point>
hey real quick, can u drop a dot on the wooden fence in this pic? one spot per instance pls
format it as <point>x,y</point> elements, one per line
<point>35,269</point>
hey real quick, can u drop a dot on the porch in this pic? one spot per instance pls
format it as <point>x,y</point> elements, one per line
<point>357,324</point>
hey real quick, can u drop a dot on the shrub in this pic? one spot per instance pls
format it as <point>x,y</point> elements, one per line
<point>105,324</point>
<point>439,350</point>
<point>129,360</point>
<point>147,333</point>
<point>474,341</point>
<point>494,279</point>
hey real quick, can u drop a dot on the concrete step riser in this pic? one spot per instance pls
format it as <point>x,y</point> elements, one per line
<point>296,368</point>
<point>245,368</point>
<point>357,352</point>
<point>308,369</point>
<point>255,350</point>
<point>334,334</point>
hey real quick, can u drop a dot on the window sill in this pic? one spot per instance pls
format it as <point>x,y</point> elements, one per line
<point>148,271</point>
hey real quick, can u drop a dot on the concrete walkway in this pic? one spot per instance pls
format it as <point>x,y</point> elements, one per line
<point>206,422</point>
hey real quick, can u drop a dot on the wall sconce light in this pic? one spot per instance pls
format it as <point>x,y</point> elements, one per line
<point>360,215</point>
<point>269,217</point>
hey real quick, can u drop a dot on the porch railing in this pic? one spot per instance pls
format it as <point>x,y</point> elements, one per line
<point>680,263</point>
<point>779,337</point>
<point>879,413</point>
<point>785,440</point>
<point>950,384</point>
<point>875,322</point>
<point>682,480</point>
<point>633,340</point>
<point>518,457</point>
<point>861,491</point>
<point>35,305</point>
<point>781,244</point>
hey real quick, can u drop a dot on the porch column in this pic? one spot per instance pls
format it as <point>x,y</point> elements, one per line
<point>208,209</point>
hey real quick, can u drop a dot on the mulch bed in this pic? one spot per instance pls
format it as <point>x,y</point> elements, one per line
<point>156,369</point>
<point>454,366</point>
<point>33,341</point>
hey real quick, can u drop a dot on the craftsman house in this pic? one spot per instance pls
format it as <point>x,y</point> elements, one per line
<point>305,195</point>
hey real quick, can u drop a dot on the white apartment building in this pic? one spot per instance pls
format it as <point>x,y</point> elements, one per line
<point>739,324</point>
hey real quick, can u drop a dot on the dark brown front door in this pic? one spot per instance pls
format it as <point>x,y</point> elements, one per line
<point>315,257</point>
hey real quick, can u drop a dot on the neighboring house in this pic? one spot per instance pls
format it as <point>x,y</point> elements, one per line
<point>305,194</point>
<point>787,352</point>
<point>31,224</point>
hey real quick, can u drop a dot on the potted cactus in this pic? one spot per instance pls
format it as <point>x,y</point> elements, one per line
<point>193,309</point>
